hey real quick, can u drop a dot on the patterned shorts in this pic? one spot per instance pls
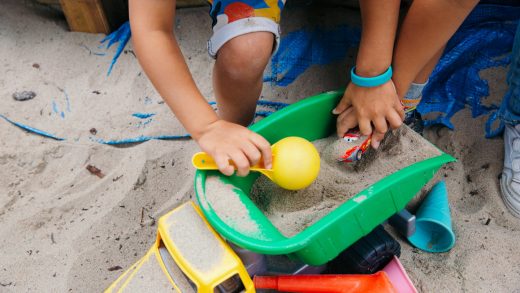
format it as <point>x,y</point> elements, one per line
<point>233,18</point>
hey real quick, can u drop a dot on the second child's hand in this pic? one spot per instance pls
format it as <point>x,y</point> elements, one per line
<point>225,141</point>
<point>373,109</point>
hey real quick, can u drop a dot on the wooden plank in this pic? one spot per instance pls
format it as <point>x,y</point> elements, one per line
<point>85,16</point>
<point>103,16</point>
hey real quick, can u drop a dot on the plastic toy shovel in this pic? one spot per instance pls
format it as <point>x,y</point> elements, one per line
<point>296,163</point>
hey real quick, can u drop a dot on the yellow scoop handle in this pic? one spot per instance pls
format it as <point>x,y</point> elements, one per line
<point>203,161</point>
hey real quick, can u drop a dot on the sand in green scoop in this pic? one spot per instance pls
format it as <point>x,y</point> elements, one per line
<point>224,200</point>
<point>337,182</point>
<point>293,211</point>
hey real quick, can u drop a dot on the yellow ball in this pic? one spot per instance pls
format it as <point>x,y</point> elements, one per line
<point>296,163</point>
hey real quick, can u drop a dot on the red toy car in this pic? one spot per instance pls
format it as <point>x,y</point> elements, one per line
<point>356,145</point>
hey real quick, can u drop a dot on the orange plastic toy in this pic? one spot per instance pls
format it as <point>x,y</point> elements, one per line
<point>375,283</point>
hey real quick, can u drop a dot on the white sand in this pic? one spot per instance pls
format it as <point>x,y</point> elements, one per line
<point>223,199</point>
<point>293,211</point>
<point>195,241</point>
<point>62,228</point>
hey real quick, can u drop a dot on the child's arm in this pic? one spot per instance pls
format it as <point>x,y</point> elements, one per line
<point>427,27</point>
<point>375,106</point>
<point>152,23</point>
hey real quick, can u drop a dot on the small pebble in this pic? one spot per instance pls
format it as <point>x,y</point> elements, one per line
<point>115,268</point>
<point>24,96</point>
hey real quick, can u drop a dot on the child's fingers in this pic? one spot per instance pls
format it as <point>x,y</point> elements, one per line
<point>380,128</point>
<point>265,149</point>
<point>343,105</point>
<point>394,119</point>
<point>240,161</point>
<point>380,125</point>
<point>346,120</point>
<point>377,137</point>
<point>223,164</point>
<point>399,108</point>
<point>365,126</point>
<point>252,152</point>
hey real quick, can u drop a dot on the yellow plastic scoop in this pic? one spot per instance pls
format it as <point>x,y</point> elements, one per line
<point>296,163</point>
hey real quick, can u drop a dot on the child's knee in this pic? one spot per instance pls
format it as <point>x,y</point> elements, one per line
<point>245,57</point>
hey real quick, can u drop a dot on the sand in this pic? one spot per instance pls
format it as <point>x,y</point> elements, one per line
<point>337,182</point>
<point>195,241</point>
<point>485,257</point>
<point>224,200</point>
<point>149,278</point>
<point>62,228</point>
<point>181,280</point>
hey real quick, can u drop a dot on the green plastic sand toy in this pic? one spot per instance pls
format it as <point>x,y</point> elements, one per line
<point>321,242</point>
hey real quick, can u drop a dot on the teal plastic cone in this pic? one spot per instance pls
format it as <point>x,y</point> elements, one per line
<point>433,231</point>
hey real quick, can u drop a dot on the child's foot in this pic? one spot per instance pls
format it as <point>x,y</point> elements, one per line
<point>411,100</point>
<point>413,119</point>
<point>510,180</point>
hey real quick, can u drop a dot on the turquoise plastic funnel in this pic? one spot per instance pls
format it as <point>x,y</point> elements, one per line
<point>433,222</point>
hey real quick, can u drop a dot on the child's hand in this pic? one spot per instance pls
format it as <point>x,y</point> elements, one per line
<point>226,141</point>
<point>373,109</point>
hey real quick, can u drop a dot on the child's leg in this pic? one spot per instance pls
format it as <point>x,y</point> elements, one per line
<point>413,96</point>
<point>425,73</point>
<point>245,34</point>
<point>238,75</point>
<point>427,26</point>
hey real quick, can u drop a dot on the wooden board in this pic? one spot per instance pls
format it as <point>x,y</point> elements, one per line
<point>103,16</point>
<point>85,16</point>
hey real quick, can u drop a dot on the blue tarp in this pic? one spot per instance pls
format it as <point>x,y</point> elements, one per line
<point>300,49</point>
<point>122,36</point>
<point>483,41</point>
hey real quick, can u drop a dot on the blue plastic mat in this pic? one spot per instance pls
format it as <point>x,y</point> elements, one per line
<point>483,41</point>
<point>32,129</point>
<point>265,108</point>
<point>269,106</point>
<point>300,49</point>
<point>122,35</point>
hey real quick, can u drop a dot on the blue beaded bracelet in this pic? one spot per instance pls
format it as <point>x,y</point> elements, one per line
<point>370,81</point>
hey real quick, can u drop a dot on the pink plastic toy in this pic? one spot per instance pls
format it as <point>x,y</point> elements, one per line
<point>397,275</point>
